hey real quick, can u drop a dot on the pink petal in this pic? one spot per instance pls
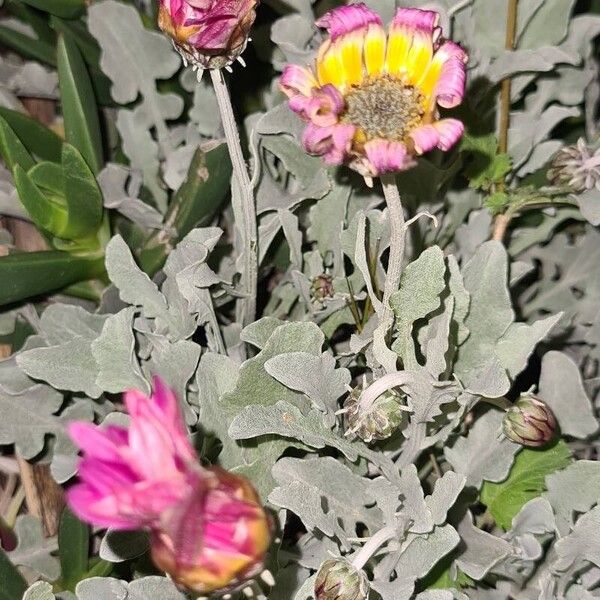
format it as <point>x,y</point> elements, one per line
<point>426,138</point>
<point>332,143</point>
<point>345,19</point>
<point>416,19</point>
<point>102,442</point>
<point>387,156</point>
<point>322,107</point>
<point>450,88</point>
<point>297,80</point>
<point>450,131</point>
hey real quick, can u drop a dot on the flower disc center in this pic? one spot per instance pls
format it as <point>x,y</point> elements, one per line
<point>384,107</point>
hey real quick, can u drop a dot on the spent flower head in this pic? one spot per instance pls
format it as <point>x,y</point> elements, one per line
<point>371,99</point>
<point>576,166</point>
<point>207,527</point>
<point>373,421</point>
<point>529,422</point>
<point>209,34</point>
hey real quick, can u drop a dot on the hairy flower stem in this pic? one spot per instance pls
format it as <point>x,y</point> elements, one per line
<point>394,270</point>
<point>375,542</point>
<point>246,217</point>
<point>502,221</point>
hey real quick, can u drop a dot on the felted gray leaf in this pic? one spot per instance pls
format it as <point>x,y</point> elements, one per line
<point>420,287</point>
<point>481,550</point>
<point>146,588</point>
<point>119,546</point>
<point>114,352</point>
<point>34,550</point>
<point>444,495</point>
<point>483,454</point>
<point>315,376</point>
<point>589,203</point>
<point>583,476</point>
<point>562,389</point>
<point>490,315</point>
<point>582,545</point>
<point>40,590</point>
<point>135,287</point>
<point>519,341</point>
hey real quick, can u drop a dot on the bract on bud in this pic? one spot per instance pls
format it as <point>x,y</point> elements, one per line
<point>337,579</point>
<point>321,288</point>
<point>377,420</point>
<point>209,34</point>
<point>217,539</point>
<point>577,167</point>
<point>529,422</point>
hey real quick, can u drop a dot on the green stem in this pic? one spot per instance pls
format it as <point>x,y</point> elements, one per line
<point>246,217</point>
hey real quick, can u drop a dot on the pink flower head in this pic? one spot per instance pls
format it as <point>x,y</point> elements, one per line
<point>372,98</point>
<point>210,33</point>
<point>207,526</point>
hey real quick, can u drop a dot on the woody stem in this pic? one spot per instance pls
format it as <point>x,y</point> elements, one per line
<point>244,211</point>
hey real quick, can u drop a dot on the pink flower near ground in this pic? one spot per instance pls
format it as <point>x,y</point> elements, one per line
<point>208,529</point>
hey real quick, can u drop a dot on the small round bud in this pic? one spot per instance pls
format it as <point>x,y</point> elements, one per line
<point>577,167</point>
<point>529,422</point>
<point>321,288</point>
<point>373,421</point>
<point>337,579</point>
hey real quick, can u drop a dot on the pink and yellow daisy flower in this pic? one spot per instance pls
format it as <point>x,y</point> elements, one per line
<point>372,98</point>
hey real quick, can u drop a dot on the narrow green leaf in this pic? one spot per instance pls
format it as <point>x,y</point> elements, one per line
<point>12,584</point>
<point>195,203</point>
<point>28,47</point>
<point>12,149</point>
<point>49,177</point>
<point>82,194</point>
<point>37,20</point>
<point>30,274</point>
<point>526,480</point>
<point>73,549</point>
<point>80,112</point>
<point>45,213</point>
<point>37,138</point>
<point>67,9</point>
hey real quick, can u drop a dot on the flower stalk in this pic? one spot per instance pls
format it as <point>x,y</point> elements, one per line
<point>375,542</point>
<point>244,212</point>
<point>503,220</point>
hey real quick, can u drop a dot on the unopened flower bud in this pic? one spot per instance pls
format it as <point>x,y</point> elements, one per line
<point>376,420</point>
<point>321,288</point>
<point>529,422</point>
<point>577,167</point>
<point>337,579</point>
<point>209,34</point>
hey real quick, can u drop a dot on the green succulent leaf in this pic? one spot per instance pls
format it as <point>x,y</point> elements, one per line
<point>45,211</point>
<point>36,138</point>
<point>80,111</point>
<point>525,481</point>
<point>12,149</point>
<point>82,195</point>
<point>73,549</point>
<point>13,585</point>
<point>67,9</point>
<point>27,46</point>
<point>29,274</point>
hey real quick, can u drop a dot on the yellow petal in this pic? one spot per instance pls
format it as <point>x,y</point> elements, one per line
<point>329,66</point>
<point>351,50</point>
<point>397,49</point>
<point>419,58</point>
<point>375,46</point>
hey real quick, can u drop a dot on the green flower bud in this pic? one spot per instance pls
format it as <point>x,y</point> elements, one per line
<point>529,422</point>
<point>337,579</point>
<point>373,421</point>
